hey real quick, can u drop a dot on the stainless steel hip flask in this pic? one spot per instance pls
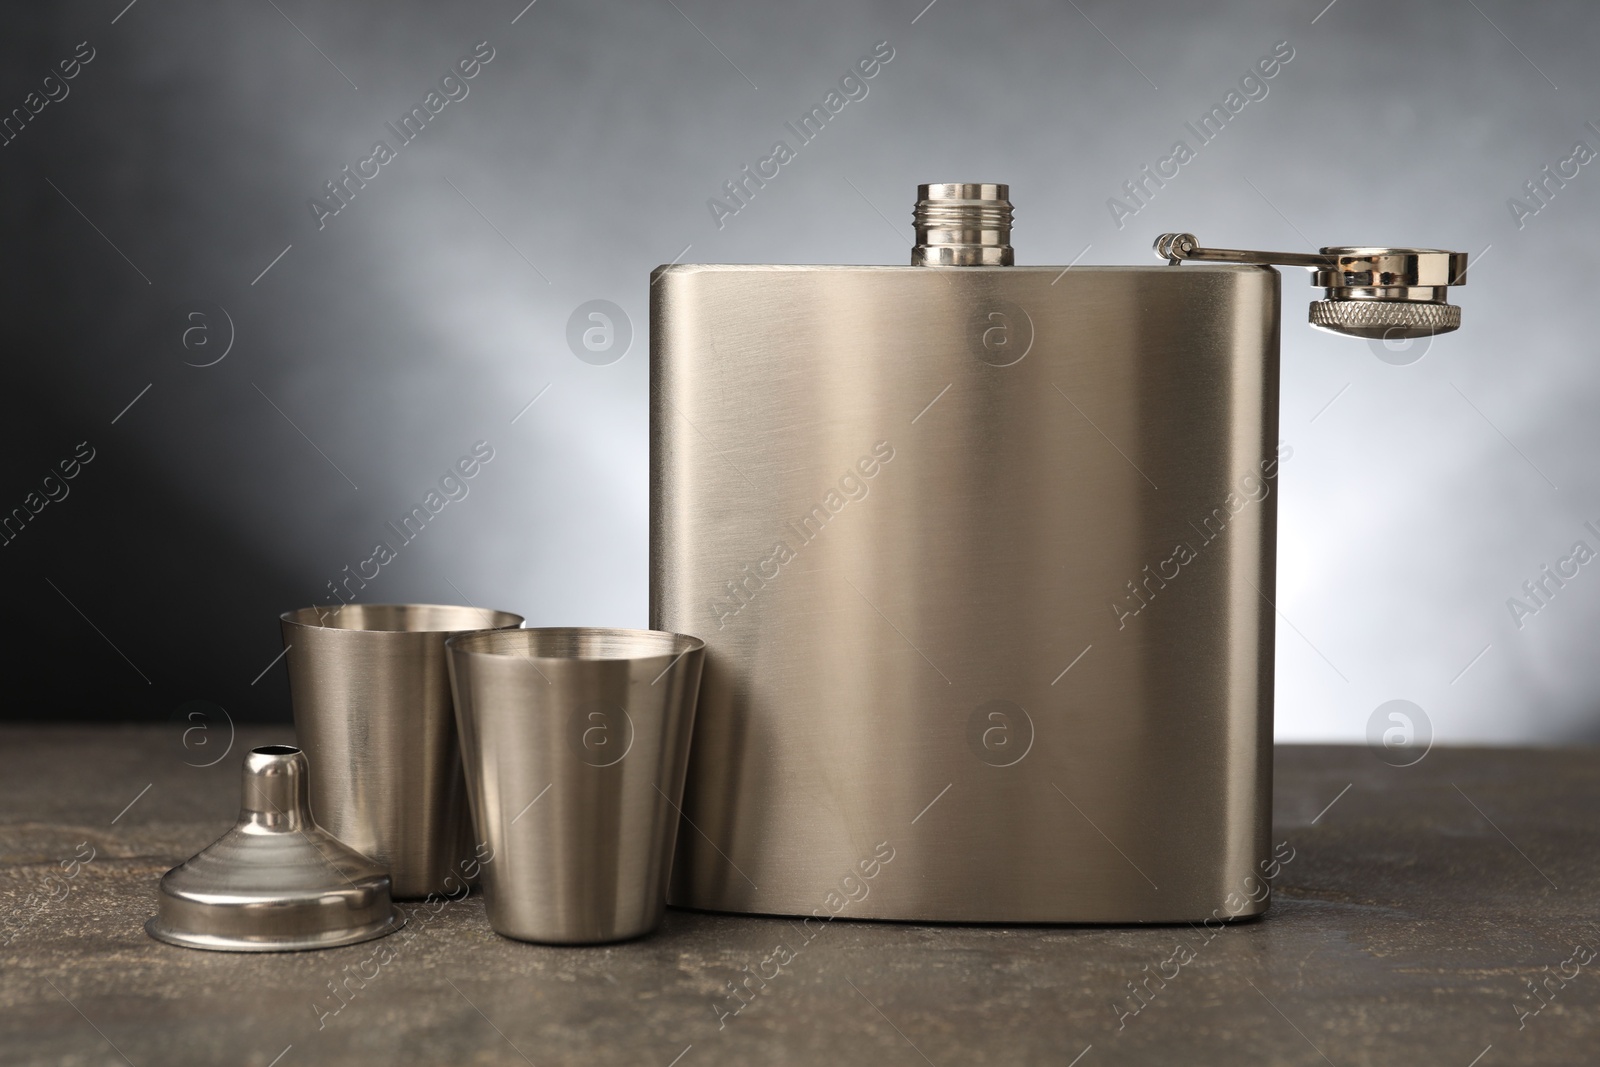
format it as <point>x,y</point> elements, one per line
<point>983,556</point>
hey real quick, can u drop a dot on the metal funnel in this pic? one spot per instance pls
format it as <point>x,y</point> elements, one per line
<point>277,881</point>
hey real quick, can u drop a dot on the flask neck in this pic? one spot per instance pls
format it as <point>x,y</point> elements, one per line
<point>962,225</point>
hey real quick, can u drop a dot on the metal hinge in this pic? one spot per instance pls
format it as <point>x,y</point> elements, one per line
<point>1381,293</point>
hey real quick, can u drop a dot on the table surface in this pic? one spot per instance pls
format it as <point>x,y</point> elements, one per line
<point>1420,908</point>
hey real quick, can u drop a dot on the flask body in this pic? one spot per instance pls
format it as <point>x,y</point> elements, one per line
<point>984,559</point>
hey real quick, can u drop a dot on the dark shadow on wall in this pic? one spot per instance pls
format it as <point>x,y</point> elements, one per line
<point>138,603</point>
<point>130,600</point>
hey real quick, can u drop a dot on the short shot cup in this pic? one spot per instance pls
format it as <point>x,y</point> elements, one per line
<point>575,742</point>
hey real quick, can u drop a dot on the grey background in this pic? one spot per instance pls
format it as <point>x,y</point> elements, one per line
<point>424,317</point>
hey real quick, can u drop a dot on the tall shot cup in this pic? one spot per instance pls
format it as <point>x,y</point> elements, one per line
<point>372,712</point>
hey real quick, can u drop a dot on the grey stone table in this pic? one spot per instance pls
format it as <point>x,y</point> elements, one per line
<point>1445,913</point>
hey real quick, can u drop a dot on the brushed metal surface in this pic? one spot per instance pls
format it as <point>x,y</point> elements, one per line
<point>576,742</point>
<point>372,710</point>
<point>277,881</point>
<point>900,505</point>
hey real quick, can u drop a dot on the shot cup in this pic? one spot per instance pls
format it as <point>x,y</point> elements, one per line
<point>372,712</point>
<point>576,742</point>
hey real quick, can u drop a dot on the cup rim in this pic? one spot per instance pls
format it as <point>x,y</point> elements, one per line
<point>489,619</point>
<point>639,644</point>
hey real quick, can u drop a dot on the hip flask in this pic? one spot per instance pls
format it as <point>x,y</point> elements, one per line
<point>983,557</point>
